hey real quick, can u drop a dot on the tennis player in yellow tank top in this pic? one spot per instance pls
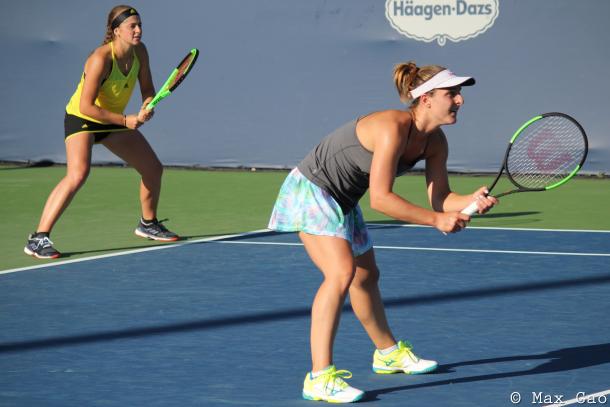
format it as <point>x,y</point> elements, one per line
<point>113,94</point>
<point>95,114</point>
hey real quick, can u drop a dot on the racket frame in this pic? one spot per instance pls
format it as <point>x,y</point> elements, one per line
<point>516,135</point>
<point>166,89</point>
<point>472,208</point>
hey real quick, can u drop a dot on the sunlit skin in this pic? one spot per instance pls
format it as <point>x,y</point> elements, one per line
<point>448,102</point>
<point>386,135</point>
<point>129,145</point>
<point>127,36</point>
<point>129,31</point>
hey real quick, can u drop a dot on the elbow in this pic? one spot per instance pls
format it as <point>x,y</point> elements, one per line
<point>86,109</point>
<point>377,203</point>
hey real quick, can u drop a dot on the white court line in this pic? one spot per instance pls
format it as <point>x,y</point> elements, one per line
<point>436,249</point>
<point>146,249</point>
<point>494,251</point>
<point>585,399</point>
<point>389,225</point>
<point>215,238</point>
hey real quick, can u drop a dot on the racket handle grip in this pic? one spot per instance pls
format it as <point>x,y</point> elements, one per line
<point>470,209</point>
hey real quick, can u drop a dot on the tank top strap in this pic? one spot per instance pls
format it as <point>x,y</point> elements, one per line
<point>410,125</point>
<point>115,65</point>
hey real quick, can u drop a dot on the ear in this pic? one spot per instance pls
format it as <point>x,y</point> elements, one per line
<point>424,100</point>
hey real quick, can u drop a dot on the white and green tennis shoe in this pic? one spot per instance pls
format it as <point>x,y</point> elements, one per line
<point>402,360</point>
<point>330,386</point>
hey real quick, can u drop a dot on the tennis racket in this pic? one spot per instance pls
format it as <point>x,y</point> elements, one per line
<point>175,78</point>
<point>544,153</point>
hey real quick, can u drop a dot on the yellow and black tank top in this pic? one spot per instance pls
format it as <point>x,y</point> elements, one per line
<point>114,92</point>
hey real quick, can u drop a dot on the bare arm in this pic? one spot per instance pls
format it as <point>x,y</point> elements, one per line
<point>387,150</point>
<point>388,147</point>
<point>96,68</point>
<point>440,196</point>
<point>147,89</point>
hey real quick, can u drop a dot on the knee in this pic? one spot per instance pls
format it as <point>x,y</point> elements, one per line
<point>366,277</point>
<point>153,170</point>
<point>77,178</point>
<point>342,278</point>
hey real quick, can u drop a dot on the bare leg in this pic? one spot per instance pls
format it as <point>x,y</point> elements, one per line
<point>366,301</point>
<point>132,147</point>
<point>78,159</point>
<point>333,256</point>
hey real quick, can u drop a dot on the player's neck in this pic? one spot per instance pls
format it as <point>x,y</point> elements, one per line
<point>122,49</point>
<point>423,124</point>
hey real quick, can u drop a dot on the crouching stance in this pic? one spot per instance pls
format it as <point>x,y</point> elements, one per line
<point>319,200</point>
<point>94,114</point>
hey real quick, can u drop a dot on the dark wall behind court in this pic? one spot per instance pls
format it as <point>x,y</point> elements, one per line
<point>275,76</point>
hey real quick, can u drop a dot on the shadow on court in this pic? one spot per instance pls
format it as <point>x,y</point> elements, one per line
<point>67,255</point>
<point>494,215</point>
<point>500,215</point>
<point>183,239</point>
<point>556,361</point>
<point>287,314</point>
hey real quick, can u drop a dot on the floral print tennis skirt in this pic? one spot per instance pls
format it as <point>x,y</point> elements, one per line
<point>302,206</point>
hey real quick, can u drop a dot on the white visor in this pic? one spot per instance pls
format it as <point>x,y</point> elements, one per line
<point>443,79</point>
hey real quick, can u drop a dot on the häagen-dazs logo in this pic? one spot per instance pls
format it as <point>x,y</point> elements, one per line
<point>429,20</point>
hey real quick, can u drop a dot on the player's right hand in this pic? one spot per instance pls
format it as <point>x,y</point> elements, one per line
<point>132,122</point>
<point>451,222</point>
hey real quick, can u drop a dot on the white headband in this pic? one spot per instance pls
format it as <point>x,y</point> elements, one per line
<point>443,79</point>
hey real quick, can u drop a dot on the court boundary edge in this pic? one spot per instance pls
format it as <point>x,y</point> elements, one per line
<point>263,231</point>
<point>135,251</point>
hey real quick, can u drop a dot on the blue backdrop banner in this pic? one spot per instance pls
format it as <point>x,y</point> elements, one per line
<point>276,76</point>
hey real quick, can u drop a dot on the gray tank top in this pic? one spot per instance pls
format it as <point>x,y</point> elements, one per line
<point>342,166</point>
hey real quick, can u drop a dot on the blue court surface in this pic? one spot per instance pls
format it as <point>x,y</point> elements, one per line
<point>507,313</point>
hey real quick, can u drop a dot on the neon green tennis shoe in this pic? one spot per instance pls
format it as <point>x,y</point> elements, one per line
<point>330,386</point>
<point>402,360</point>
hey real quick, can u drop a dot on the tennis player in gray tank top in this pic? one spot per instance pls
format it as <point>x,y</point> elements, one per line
<point>341,166</point>
<point>319,200</point>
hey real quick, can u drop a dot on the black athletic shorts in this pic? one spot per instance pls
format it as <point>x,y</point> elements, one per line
<point>75,125</point>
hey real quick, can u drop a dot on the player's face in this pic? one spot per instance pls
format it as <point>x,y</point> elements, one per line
<point>130,30</point>
<point>445,104</point>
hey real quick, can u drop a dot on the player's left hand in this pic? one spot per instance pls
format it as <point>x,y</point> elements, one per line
<point>484,201</point>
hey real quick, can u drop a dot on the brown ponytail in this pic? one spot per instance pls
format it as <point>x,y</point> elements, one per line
<point>408,76</point>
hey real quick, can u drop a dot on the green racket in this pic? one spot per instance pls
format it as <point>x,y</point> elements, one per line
<point>175,78</point>
<point>544,153</point>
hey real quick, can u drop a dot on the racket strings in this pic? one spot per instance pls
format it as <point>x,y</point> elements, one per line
<point>546,152</point>
<point>182,70</point>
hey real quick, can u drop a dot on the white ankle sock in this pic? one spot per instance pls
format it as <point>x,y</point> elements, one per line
<point>389,350</point>
<point>319,372</point>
